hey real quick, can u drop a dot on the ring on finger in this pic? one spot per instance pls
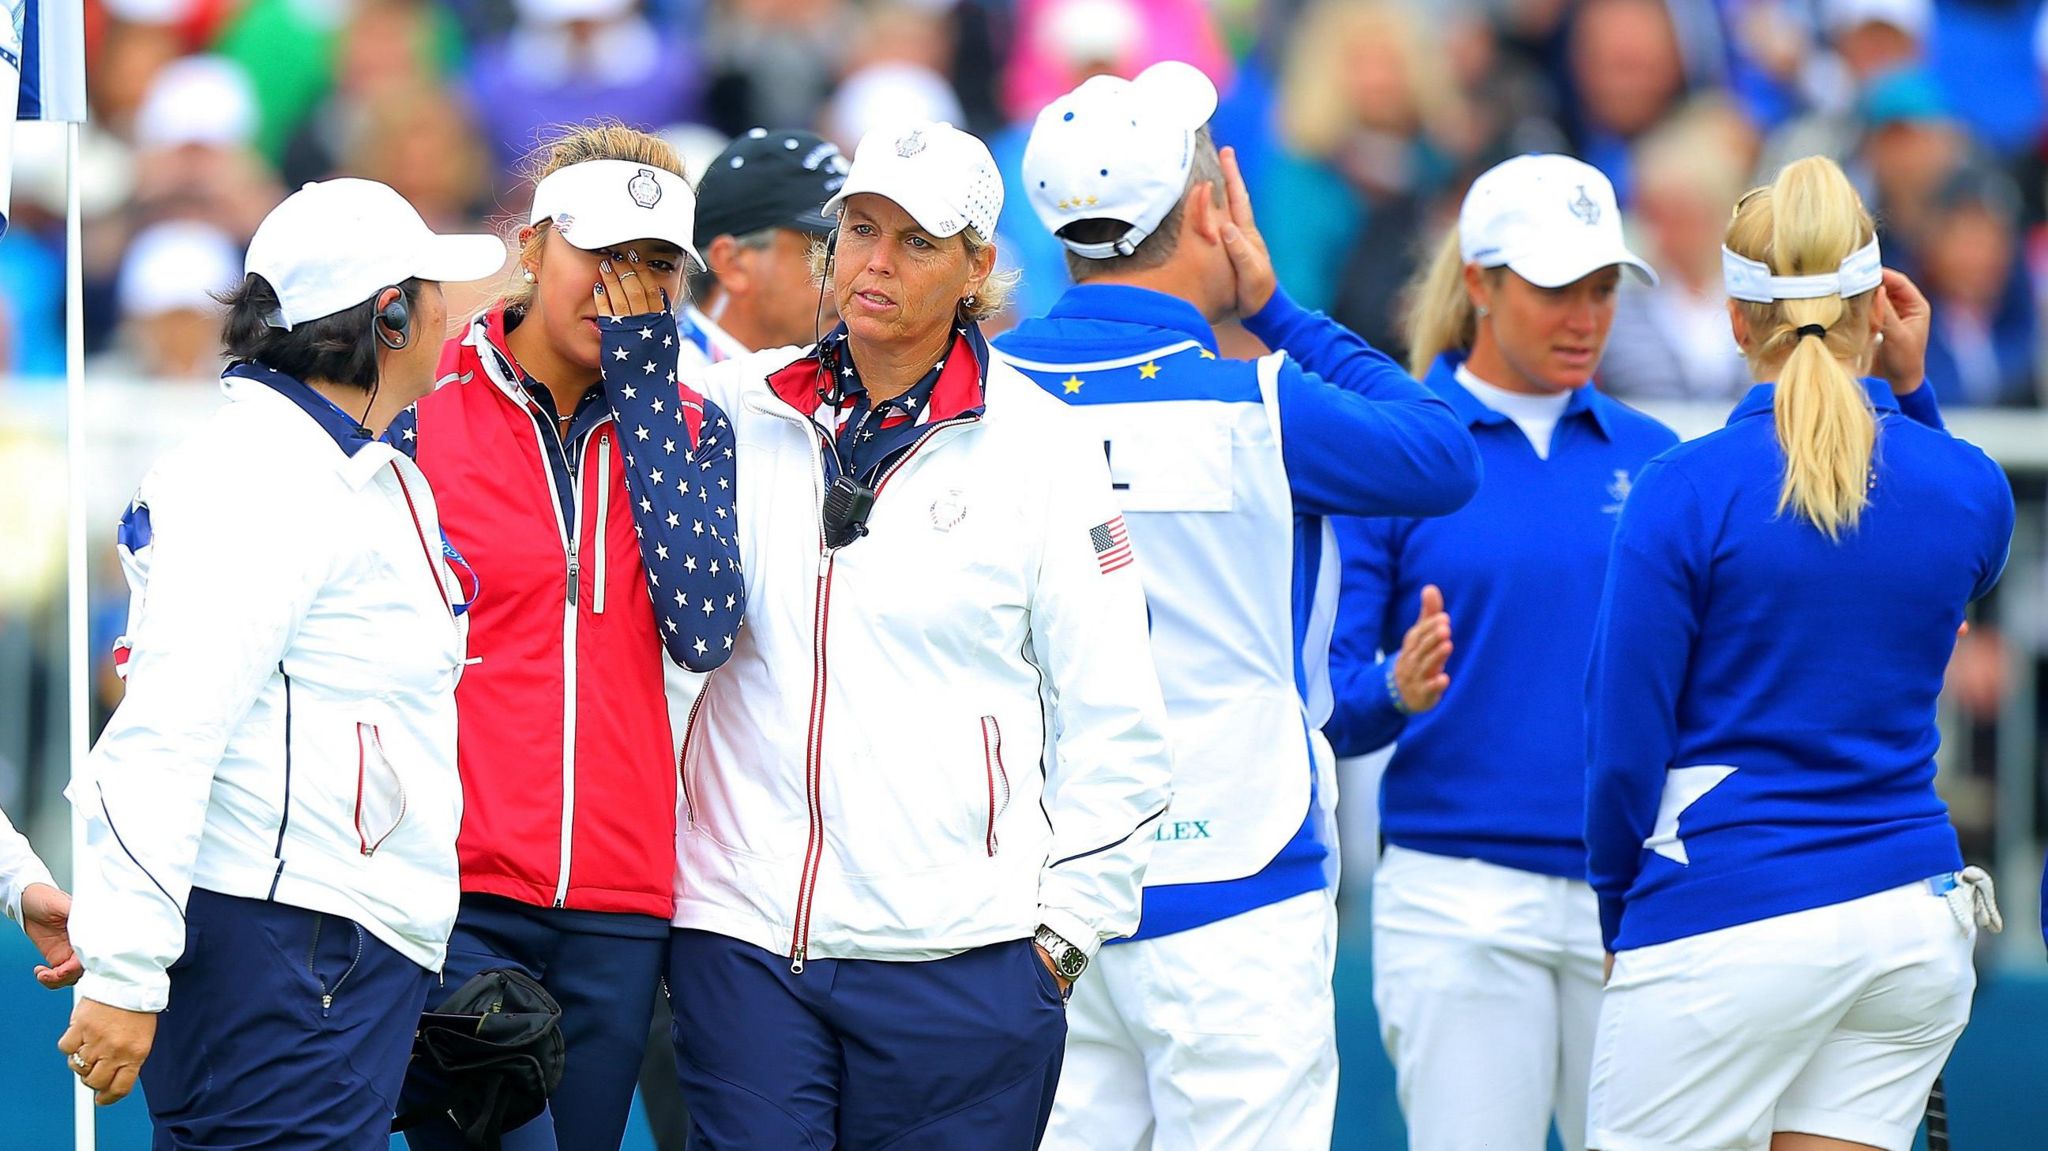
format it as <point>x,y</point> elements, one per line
<point>78,1060</point>
<point>623,275</point>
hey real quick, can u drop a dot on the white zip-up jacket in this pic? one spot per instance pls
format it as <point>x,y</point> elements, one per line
<point>20,869</point>
<point>945,733</point>
<point>288,732</point>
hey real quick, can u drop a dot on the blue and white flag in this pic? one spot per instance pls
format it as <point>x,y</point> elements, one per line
<point>42,72</point>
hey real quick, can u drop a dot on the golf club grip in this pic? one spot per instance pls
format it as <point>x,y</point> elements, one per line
<point>1937,1116</point>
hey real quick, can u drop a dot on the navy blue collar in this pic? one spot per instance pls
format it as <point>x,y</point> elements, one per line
<point>1759,399</point>
<point>350,436</point>
<point>1443,380</point>
<point>1124,303</point>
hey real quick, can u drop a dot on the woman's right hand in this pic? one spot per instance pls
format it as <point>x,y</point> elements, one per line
<point>1419,666</point>
<point>1904,321</point>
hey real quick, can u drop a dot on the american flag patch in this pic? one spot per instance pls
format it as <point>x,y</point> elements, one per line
<point>1112,545</point>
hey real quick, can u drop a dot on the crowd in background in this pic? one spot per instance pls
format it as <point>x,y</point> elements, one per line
<point>1360,123</point>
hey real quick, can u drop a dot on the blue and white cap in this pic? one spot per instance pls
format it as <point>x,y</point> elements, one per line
<point>1551,219</point>
<point>1116,149</point>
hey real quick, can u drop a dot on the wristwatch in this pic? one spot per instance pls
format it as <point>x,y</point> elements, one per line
<point>1068,961</point>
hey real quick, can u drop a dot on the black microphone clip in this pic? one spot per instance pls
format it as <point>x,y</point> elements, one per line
<point>847,505</point>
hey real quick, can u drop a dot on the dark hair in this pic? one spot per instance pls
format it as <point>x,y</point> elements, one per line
<point>1155,249</point>
<point>337,349</point>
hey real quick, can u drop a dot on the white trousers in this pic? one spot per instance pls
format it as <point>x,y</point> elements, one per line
<point>1487,984</point>
<point>1220,1038</point>
<point>1831,1022</point>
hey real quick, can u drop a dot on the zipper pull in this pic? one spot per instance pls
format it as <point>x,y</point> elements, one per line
<point>574,569</point>
<point>796,959</point>
<point>326,1001</point>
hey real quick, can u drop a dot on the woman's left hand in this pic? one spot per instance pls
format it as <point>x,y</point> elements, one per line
<point>1904,320</point>
<point>105,1047</point>
<point>624,288</point>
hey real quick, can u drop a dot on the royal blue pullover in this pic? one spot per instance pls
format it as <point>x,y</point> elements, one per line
<point>1760,702</point>
<point>1497,770</point>
<point>1357,435</point>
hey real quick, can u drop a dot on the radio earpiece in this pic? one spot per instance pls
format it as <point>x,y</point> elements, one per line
<point>393,324</point>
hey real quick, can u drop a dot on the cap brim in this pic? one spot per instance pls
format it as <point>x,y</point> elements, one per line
<point>1555,270</point>
<point>923,207</point>
<point>593,232</point>
<point>459,259</point>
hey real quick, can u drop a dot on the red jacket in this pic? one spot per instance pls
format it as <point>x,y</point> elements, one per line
<point>569,785</point>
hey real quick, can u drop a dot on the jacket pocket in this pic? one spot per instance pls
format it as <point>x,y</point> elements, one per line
<point>380,793</point>
<point>998,776</point>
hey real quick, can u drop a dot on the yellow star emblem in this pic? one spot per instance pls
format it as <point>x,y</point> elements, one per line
<point>1072,384</point>
<point>1147,371</point>
<point>1091,201</point>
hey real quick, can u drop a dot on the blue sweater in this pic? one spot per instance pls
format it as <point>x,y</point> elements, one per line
<point>1496,771</point>
<point>1760,703</point>
<point>1357,434</point>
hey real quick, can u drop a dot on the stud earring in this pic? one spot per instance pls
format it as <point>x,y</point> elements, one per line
<point>1482,309</point>
<point>969,301</point>
<point>526,274</point>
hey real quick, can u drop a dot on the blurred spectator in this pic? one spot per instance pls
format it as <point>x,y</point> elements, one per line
<point>384,46</point>
<point>1673,341</point>
<point>418,138</point>
<point>126,58</point>
<point>772,61</point>
<point>1869,41</point>
<point>287,48</point>
<point>1371,127</point>
<point>1910,146</point>
<point>574,61</point>
<point>1170,30</point>
<point>1627,73</point>
<point>1087,38</point>
<point>887,93</point>
<point>193,137</point>
<point>170,317</point>
<point>1982,347</point>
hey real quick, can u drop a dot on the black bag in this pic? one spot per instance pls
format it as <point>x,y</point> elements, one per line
<point>493,1051</point>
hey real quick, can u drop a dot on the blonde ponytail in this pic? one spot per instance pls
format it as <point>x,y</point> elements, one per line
<point>1804,224</point>
<point>1439,316</point>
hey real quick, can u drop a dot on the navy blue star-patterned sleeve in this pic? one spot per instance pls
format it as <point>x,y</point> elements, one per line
<point>680,473</point>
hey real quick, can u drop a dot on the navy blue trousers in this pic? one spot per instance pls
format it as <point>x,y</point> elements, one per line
<point>861,1055</point>
<point>602,968</point>
<point>286,1029</point>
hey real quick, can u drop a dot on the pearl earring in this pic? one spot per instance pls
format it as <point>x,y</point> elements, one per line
<point>526,274</point>
<point>1483,310</point>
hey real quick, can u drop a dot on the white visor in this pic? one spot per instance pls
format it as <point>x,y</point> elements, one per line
<point>1751,280</point>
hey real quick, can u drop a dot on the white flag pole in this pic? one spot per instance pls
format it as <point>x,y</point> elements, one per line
<point>84,1122</point>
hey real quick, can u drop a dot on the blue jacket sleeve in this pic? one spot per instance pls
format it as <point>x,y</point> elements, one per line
<point>1358,436</point>
<point>681,474</point>
<point>1921,406</point>
<point>1642,643</point>
<point>1363,717</point>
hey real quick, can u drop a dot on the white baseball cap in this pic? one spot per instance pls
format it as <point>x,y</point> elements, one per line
<point>334,244</point>
<point>176,266</point>
<point>1550,218</point>
<point>1116,149</point>
<point>599,203</point>
<point>942,176</point>
<point>205,100</point>
<point>1913,17</point>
